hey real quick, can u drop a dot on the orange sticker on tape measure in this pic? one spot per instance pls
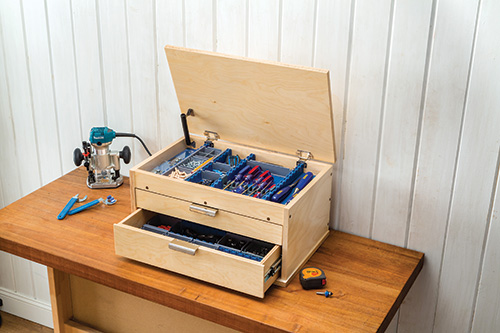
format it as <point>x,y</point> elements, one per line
<point>310,272</point>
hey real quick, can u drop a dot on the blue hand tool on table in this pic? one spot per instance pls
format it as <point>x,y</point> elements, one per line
<point>68,206</point>
<point>90,204</point>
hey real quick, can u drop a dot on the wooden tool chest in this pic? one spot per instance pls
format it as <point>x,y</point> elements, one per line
<point>187,217</point>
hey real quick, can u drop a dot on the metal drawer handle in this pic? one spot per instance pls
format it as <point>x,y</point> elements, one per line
<point>187,248</point>
<point>203,210</point>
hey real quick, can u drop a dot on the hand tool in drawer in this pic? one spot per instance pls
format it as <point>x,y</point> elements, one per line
<point>302,183</point>
<point>264,191</point>
<point>254,172</point>
<point>258,180</point>
<point>283,192</point>
<point>269,180</point>
<point>239,177</point>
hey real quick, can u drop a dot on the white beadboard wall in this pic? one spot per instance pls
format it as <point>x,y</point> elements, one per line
<point>417,119</point>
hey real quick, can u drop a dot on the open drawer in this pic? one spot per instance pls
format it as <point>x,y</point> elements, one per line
<point>227,269</point>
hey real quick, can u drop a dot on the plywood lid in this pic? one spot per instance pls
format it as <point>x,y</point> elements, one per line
<point>262,104</point>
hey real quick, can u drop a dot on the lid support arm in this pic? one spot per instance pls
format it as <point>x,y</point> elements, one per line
<point>185,129</point>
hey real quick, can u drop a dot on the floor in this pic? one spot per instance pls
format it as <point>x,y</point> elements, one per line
<point>11,323</point>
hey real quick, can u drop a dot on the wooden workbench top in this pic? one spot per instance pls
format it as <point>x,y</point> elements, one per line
<point>368,279</point>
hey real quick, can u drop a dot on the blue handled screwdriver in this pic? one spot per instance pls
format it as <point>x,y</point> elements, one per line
<point>283,192</point>
<point>261,185</point>
<point>239,176</point>
<point>302,183</point>
<point>258,180</point>
<point>255,172</point>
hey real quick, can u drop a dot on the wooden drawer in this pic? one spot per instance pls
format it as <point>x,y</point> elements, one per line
<point>211,265</point>
<point>216,218</point>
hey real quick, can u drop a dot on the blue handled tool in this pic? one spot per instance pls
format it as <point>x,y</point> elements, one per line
<point>302,183</point>
<point>239,176</point>
<point>68,206</point>
<point>90,204</point>
<point>262,184</point>
<point>283,192</point>
<point>243,185</point>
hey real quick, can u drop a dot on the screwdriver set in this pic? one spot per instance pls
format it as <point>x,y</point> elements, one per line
<point>253,170</point>
<point>209,237</point>
<point>220,169</point>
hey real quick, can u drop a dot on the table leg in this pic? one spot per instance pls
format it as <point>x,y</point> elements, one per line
<point>60,298</point>
<point>62,307</point>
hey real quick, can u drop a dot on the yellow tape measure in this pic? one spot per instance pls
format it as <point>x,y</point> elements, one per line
<point>312,278</point>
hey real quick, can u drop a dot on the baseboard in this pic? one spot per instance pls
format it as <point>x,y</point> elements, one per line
<point>25,307</point>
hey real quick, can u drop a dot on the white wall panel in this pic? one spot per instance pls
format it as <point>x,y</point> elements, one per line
<point>232,26</point>
<point>443,106</point>
<point>60,26</point>
<point>88,65</point>
<point>415,109</point>
<point>486,312</point>
<point>19,90</point>
<point>400,117</point>
<point>116,75</point>
<point>401,112</point>
<point>2,202</point>
<point>366,91</point>
<point>298,20</point>
<point>263,29</point>
<point>9,172</point>
<point>331,52</point>
<point>331,49</point>
<point>6,271</point>
<point>141,34</point>
<point>469,211</point>
<point>40,282</point>
<point>23,277</point>
<point>170,30</point>
<point>40,69</point>
<point>200,24</point>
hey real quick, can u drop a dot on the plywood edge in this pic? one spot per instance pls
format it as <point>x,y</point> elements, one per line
<point>307,221</point>
<point>229,56</point>
<point>332,120</point>
<point>166,153</point>
<point>284,282</point>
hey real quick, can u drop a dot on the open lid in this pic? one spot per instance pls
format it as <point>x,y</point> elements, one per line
<point>263,104</point>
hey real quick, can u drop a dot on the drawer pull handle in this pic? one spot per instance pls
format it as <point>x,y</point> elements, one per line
<point>203,210</point>
<point>188,248</point>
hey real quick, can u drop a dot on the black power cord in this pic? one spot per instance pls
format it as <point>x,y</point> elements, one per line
<point>131,135</point>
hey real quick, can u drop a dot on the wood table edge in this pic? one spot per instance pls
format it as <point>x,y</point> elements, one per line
<point>402,295</point>
<point>165,298</point>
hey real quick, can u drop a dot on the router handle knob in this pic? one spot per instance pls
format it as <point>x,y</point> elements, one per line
<point>77,157</point>
<point>125,154</point>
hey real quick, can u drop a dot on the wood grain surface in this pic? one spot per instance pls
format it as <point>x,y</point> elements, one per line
<point>262,104</point>
<point>368,279</point>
